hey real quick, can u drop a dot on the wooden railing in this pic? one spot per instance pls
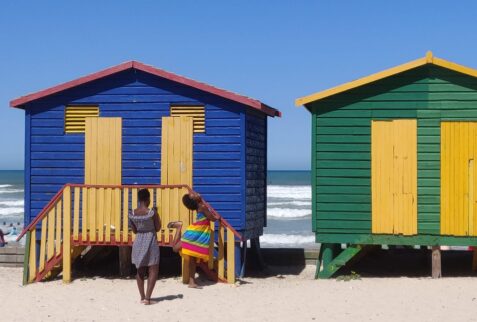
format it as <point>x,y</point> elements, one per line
<point>87,215</point>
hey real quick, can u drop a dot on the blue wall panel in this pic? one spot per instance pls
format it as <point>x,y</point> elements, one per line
<point>256,174</point>
<point>141,100</point>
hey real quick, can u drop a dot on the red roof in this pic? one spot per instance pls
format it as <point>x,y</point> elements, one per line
<point>19,102</point>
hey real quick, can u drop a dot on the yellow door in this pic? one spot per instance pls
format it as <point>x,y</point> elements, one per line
<point>176,147</point>
<point>394,177</point>
<point>103,139</point>
<point>458,180</point>
<point>103,150</point>
<point>176,168</point>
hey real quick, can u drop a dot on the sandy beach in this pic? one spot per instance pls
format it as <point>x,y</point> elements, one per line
<point>279,298</point>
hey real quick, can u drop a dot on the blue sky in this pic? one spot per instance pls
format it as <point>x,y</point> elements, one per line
<point>274,51</point>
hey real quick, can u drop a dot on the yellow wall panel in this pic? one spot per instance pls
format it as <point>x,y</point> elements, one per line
<point>394,177</point>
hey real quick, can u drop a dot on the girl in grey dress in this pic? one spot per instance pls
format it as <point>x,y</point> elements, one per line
<point>145,224</point>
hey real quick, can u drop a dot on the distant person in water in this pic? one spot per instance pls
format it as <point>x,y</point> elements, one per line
<point>2,239</point>
<point>145,223</point>
<point>195,241</point>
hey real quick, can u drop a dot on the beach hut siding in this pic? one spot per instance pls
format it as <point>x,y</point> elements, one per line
<point>256,178</point>
<point>341,152</point>
<point>233,137</point>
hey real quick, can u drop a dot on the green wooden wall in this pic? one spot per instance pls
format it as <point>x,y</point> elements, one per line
<point>341,157</point>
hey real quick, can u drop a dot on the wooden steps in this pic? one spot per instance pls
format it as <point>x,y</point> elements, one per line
<point>75,219</point>
<point>12,255</point>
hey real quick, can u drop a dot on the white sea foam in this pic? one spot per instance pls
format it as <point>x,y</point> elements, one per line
<point>289,203</point>
<point>5,185</point>
<point>10,203</point>
<point>10,190</point>
<point>289,192</point>
<point>283,239</point>
<point>11,211</point>
<point>288,213</point>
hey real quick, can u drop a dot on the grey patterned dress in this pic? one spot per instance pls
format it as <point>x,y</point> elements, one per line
<point>145,251</point>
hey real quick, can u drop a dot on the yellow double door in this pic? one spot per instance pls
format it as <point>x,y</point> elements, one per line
<point>394,178</point>
<point>103,150</point>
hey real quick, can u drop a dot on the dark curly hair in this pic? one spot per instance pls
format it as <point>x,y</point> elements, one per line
<point>143,195</point>
<point>190,203</point>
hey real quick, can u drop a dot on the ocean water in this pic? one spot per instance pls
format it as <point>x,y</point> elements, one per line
<point>11,202</point>
<point>288,210</point>
<point>288,203</point>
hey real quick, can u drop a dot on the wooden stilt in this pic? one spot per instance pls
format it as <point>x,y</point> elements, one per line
<point>67,235</point>
<point>255,244</point>
<point>124,261</point>
<point>26,258</point>
<point>474,259</point>
<point>244,259</point>
<point>318,262</point>
<point>326,253</point>
<point>436,262</point>
<point>185,269</point>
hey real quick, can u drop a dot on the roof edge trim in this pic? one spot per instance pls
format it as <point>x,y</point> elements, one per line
<point>428,59</point>
<point>253,103</point>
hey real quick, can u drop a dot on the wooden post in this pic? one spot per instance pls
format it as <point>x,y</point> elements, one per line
<point>255,245</point>
<point>185,269</point>
<point>244,259</point>
<point>231,269</point>
<point>318,262</point>
<point>474,259</point>
<point>67,235</point>
<point>436,262</point>
<point>326,252</point>
<point>125,261</point>
<point>26,257</point>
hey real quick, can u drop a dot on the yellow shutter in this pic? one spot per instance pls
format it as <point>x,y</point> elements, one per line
<point>75,117</point>
<point>197,113</point>
<point>394,177</point>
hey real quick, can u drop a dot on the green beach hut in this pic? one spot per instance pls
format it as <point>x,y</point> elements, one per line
<point>393,160</point>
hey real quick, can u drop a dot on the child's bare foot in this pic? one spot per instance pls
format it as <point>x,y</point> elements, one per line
<point>194,285</point>
<point>175,224</point>
<point>143,301</point>
<point>149,302</point>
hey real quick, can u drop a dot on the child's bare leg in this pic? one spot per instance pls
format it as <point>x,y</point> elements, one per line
<point>141,273</point>
<point>192,271</point>
<point>176,242</point>
<point>151,282</point>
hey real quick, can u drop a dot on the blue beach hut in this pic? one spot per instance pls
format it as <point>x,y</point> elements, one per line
<point>91,142</point>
